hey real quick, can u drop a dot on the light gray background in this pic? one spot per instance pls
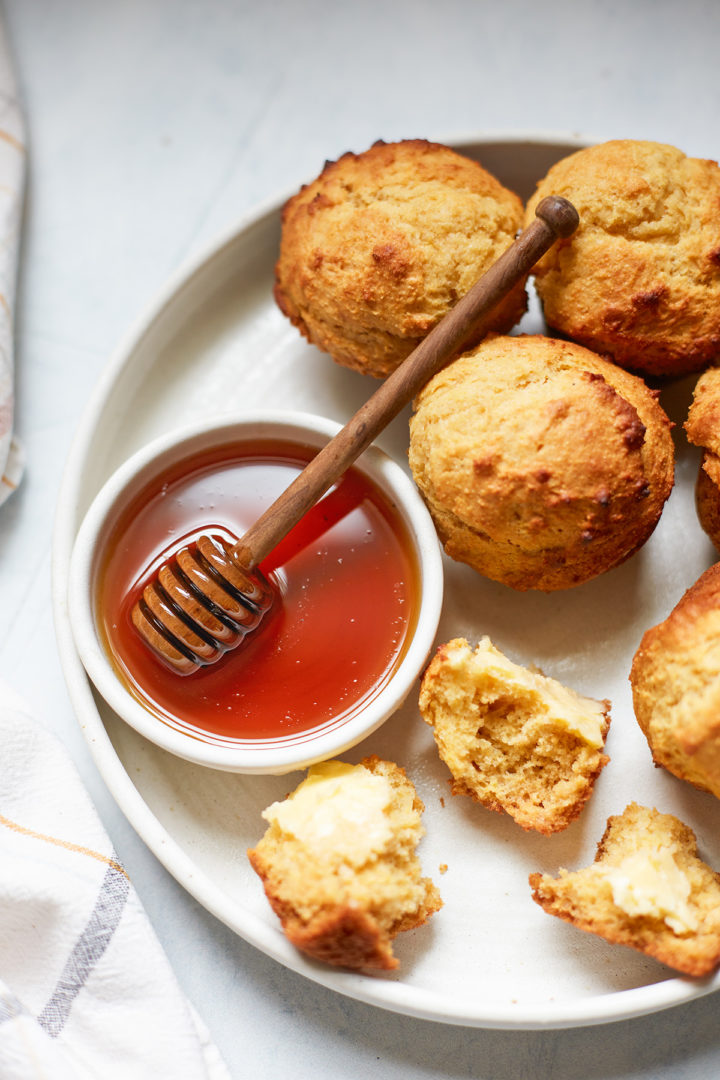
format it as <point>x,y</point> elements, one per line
<point>154,124</point>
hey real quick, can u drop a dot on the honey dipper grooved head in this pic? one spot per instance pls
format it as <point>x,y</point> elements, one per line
<point>201,605</point>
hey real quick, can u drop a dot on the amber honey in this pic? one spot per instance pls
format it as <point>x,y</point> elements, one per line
<point>346,603</point>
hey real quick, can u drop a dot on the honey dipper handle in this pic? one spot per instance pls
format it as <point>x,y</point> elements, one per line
<point>555,218</point>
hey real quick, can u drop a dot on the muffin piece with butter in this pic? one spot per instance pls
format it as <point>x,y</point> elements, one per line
<point>647,889</point>
<point>513,739</point>
<point>379,247</point>
<point>338,863</point>
<point>543,465</point>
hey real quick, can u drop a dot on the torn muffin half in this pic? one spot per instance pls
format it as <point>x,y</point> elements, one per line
<point>647,889</point>
<point>339,866</point>
<point>515,740</point>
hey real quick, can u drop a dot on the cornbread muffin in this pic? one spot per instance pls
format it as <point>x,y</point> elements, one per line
<point>542,464</point>
<point>675,678</point>
<point>640,279</point>
<point>703,429</point>
<point>513,739</point>
<point>338,863</point>
<point>647,889</point>
<point>379,247</point>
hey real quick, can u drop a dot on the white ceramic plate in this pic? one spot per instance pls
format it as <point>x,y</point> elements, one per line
<point>214,343</point>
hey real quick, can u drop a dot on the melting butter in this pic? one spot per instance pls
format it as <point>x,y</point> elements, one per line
<point>338,810</point>
<point>651,883</point>
<point>581,716</point>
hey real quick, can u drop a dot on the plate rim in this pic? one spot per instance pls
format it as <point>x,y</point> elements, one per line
<point>411,1001</point>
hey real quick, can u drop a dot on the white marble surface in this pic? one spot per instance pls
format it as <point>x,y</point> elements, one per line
<point>153,124</point>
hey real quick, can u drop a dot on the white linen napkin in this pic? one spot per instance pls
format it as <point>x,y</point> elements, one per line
<point>86,990</point>
<point>12,185</point>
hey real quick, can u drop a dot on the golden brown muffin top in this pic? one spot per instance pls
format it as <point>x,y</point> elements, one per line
<point>703,422</point>
<point>379,247</point>
<point>542,448</point>
<point>676,689</point>
<point>640,279</point>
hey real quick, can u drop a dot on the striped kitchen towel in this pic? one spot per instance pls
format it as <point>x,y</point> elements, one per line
<point>12,184</point>
<point>85,988</point>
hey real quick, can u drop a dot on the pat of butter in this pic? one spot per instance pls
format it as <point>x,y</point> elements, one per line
<point>650,883</point>
<point>579,715</point>
<point>338,810</point>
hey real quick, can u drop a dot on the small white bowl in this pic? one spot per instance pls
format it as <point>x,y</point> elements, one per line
<point>278,755</point>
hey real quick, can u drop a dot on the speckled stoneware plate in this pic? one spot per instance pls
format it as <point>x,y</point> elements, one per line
<point>214,343</point>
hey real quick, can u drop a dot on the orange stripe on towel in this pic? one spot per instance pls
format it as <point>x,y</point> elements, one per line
<point>63,844</point>
<point>12,140</point>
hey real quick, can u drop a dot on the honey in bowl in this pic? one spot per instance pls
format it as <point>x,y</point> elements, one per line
<point>347,590</point>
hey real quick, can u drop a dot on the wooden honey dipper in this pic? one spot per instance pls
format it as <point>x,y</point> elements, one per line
<point>210,595</point>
